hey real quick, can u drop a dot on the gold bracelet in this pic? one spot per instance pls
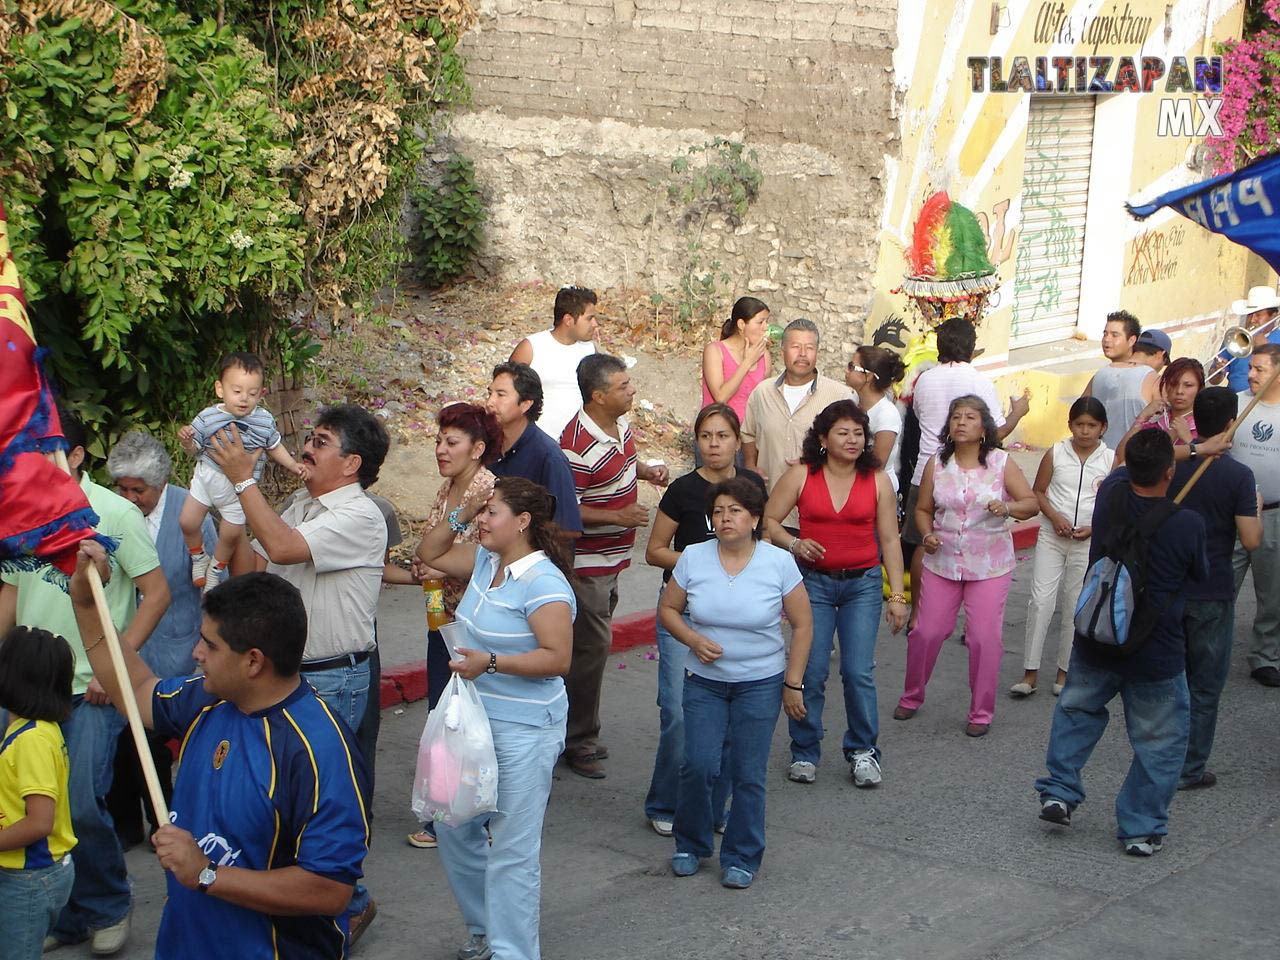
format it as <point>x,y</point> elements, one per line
<point>95,643</point>
<point>898,598</point>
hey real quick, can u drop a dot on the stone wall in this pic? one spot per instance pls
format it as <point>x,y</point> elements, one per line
<point>580,106</point>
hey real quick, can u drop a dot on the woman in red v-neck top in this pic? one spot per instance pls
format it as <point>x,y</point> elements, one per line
<point>847,510</point>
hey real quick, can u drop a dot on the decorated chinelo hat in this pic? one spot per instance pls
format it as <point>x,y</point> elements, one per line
<point>949,272</point>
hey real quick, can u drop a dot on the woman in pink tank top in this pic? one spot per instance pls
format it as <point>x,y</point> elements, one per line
<point>969,490</point>
<point>733,365</point>
<point>848,526</point>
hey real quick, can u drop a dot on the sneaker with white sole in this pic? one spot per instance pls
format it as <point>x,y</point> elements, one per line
<point>200,563</point>
<point>111,940</point>
<point>1144,846</point>
<point>214,575</point>
<point>1056,811</point>
<point>662,827</point>
<point>802,771</point>
<point>865,768</point>
<point>476,948</point>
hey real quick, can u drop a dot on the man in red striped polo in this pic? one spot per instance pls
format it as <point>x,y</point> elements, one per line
<point>602,455</point>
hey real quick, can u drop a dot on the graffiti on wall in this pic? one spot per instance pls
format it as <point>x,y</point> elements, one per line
<point>1154,256</point>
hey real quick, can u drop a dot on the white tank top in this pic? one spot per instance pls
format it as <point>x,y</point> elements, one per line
<point>557,367</point>
<point>1073,486</point>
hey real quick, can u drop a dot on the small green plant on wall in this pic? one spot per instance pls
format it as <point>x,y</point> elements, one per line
<point>451,214</point>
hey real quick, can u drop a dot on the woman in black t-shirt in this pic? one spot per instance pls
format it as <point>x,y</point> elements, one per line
<point>682,520</point>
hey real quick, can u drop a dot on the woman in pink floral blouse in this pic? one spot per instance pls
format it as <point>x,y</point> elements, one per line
<point>969,491</point>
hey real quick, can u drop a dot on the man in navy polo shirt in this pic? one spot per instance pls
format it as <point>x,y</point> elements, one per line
<point>268,830</point>
<point>515,398</point>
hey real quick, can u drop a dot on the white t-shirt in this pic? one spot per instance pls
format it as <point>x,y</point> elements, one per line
<point>885,416</point>
<point>1256,444</point>
<point>935,389</point>
<point>795,395</point>
<point>557,367</point>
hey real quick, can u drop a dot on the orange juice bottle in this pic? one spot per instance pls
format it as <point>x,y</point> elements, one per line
<point>433,592</point>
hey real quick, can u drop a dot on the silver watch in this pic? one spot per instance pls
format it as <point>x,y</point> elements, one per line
<point>206,877</point>
<point>244,485</point>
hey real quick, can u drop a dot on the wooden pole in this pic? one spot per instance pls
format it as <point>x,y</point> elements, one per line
<point>1231,432</point>
<point>129,702</point>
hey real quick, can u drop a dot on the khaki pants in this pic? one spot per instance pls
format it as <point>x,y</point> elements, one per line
<point>592,637</point>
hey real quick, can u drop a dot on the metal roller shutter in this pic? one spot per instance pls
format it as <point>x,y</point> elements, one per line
<point>1055,193</point>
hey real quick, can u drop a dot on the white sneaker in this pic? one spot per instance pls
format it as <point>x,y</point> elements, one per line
<point>802,771</point>
<point>866,769</point>
<point>200,563</point>
<point>662,828</point>
<point>214,575</point>
<point>111,940</point>
<point>476,948</point>
<point>1144,846</point>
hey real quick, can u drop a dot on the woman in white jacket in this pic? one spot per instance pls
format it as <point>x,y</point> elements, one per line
<point>1066,485</point>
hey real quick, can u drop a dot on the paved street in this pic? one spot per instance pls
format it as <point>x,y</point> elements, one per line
<point>947,859</point>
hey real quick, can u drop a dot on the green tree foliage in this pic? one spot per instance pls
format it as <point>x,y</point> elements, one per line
<point>188,178</point>
<point>451,222</point>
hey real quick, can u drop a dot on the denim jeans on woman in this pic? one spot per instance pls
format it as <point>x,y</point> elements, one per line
<point>851,610</point>
<point>660,803</point>
<point>499,888</point>
<point>745,713</point>
<point>100,894</point>
<point>1156,716</point>
<point>32,901</point>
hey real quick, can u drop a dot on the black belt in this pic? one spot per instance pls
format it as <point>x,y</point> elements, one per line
<point>852,573</point>
<point>1271,506</point>
<point>332,663</point>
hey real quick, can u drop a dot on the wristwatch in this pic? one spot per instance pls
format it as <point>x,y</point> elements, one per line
<point>493,664</point>
<point>1192,447</point>
<point>206,877</point>
<point>244,485</point>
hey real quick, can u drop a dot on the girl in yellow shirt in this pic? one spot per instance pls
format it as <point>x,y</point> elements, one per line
<point>36,668</point>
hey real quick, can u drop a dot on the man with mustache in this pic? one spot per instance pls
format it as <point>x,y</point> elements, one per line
<point>330,542</point>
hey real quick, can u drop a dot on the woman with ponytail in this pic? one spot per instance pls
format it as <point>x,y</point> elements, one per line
<point>872,373</point>
<point>518,608</point>
<point>733,365</point>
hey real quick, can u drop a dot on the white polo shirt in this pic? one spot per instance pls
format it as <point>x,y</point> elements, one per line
<point>347,536</point>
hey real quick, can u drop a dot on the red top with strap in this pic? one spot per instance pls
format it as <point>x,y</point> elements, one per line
<point>849,535</point>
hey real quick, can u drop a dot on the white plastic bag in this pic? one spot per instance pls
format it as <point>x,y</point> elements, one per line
<point>457,774</point>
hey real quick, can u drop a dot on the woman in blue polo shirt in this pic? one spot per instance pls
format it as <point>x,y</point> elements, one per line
<point>519,609</point>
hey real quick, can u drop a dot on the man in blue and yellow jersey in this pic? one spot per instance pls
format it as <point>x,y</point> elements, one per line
<point>269,827</point>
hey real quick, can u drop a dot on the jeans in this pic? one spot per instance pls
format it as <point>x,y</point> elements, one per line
<point>1156,716</point>
<point>1264,648</point>
<point>660,804</point>
<point>371,719</point>
<point>850,608</point>
<point>1208,625</point>
<point>438,672</point>
<point>345,690</point>
<point>498,887</point>
<point>100,894</point>
<point>746,713</point>
<point>32,901</point>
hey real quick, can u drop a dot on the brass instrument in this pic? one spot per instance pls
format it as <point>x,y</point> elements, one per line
<point>1237,343</point>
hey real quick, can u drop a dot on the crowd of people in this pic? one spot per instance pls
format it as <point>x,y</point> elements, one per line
<point>817,509</point>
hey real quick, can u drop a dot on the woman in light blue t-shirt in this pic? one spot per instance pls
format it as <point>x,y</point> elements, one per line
<point>519,610</point>
<point>737,674</point>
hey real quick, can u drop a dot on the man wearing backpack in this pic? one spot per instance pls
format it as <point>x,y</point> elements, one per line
<point>1147,667</point>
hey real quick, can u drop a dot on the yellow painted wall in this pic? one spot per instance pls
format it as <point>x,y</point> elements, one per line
<point>1168,274</point>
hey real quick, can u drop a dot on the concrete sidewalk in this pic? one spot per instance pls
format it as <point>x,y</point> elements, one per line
<point>945,860</point>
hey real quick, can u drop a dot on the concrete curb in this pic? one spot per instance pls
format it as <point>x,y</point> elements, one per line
<point>407,682</point>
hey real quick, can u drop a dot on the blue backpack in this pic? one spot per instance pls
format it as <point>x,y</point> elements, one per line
<point>1115,614</point>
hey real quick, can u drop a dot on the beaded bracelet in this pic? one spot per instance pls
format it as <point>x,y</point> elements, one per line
<point>898,598</point>
<point>454,523</point>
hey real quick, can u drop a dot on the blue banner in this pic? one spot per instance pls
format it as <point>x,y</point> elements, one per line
<point>1243,206</point>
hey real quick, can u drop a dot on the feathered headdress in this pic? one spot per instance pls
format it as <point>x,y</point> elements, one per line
<point>948,256</point>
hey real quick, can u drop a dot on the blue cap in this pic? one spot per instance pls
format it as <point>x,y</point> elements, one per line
<point>1155,338</point>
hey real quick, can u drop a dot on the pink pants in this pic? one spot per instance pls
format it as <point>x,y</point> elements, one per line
<point>940,601</point>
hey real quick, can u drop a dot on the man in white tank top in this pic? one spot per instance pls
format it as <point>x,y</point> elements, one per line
<point>1127,383</point>
<point>555,354</point>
